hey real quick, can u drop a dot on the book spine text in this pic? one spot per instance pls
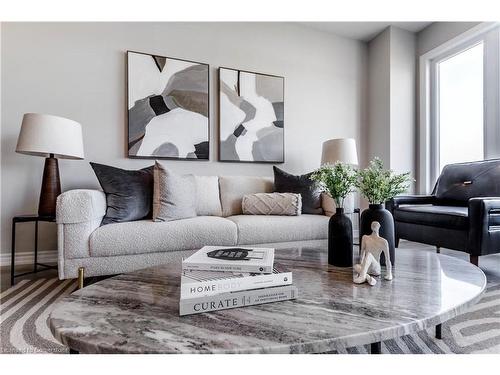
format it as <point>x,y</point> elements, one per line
<point>237,299</point>
<point>213,287</point>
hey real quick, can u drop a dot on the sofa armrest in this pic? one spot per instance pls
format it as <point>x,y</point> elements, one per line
<point>409,199</point>
<point>78,214</point>
<point>484,225</point>
<point>80,206</point>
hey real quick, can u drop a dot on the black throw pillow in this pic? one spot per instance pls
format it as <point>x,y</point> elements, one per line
<point>129,194</point>
<point>303,185</point>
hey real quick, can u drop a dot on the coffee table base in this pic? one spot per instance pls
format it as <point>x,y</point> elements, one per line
<point>376,348</point>
<point>439,335</point>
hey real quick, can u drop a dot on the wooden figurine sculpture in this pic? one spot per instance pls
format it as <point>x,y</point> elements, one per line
<point>372,246</point>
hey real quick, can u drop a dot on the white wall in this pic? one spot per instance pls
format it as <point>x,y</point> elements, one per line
<point>77,70</point>
<point>403,125</point>
<point>391,99</point>
<point>379,103</point>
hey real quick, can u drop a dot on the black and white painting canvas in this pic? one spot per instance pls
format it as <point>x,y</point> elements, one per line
<point>167,107</point>
<point>251,117</point>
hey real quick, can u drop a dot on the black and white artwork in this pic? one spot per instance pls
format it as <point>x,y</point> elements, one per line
<point>251,117</point>
<point>167,107</point>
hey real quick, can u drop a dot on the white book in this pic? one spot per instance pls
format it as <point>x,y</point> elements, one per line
<point>196,283</point>
<point>237,299</point>
<point>231,258</point>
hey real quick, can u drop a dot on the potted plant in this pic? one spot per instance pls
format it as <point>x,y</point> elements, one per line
<point>338,180</point>
<point>378,185</point>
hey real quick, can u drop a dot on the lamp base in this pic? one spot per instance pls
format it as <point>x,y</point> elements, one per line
<point>51,188</point>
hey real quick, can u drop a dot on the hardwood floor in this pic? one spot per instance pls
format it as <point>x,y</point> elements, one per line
<point>5,275</point>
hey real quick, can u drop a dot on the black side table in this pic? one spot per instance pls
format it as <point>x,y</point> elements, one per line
<point>27,219</point>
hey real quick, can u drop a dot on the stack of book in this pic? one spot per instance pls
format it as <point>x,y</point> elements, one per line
<point>217,278</point>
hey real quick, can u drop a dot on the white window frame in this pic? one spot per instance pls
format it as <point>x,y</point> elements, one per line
<point>428,161</point>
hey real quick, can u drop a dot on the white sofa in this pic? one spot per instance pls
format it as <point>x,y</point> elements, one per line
<point>124,247</point>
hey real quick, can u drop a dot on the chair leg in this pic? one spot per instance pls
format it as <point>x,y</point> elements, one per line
<point>81,276</point>
<point>438,249</point>
<point>474,259</point>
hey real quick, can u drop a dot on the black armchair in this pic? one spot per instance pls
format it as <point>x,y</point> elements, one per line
<point>462,213</point>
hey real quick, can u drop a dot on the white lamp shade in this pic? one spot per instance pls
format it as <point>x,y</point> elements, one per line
<point>339,150</point>
<point>41,135</point>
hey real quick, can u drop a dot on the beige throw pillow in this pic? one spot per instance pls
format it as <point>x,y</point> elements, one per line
<point>174,195</point>
<point>288,204</point>
<point>233,188</point>
<point>328,204</point>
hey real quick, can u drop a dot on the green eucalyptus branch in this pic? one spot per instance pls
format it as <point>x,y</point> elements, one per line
<point>337,179</point>
<point>379,185</point>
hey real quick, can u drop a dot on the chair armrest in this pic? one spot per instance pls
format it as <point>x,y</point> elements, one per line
<point>409,199</point>
<point>80,206</point>
<point>484,228</point>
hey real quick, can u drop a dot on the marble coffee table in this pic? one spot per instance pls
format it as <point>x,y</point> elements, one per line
<point>138,312</point>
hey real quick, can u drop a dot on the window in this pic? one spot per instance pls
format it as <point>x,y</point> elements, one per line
<point>459,102</point>
<point>460,135</point>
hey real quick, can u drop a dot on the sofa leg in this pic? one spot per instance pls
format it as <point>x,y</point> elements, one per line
<point>81,276</point>
<point>438,250</point>
<point>396,242</point>
<point>474,259</point>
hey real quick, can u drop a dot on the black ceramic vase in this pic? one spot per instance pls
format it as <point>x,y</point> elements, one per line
<point>340,240</point>
<point>377,212</point>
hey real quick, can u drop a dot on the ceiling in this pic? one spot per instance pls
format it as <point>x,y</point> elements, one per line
<point>364,31</point>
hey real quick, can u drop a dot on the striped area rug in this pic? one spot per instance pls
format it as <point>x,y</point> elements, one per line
<point>24,310</point>
<point>26,307</point>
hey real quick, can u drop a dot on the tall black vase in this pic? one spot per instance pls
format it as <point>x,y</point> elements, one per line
<point>377,212</point>
<point>340,240</point>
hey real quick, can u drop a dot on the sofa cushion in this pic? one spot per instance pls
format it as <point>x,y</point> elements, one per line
<point>451,217</point>
<point>301,184</point>
<point>129,194</point>
<point>174,195</point>
<point>143,236</point>
<point>288,204</point>
<point>208,196</point>
<point>328,204</point>
<point>265,229</point>
<point>233,188</point>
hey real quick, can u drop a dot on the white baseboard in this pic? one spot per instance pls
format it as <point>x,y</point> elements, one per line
<point>27,257</point>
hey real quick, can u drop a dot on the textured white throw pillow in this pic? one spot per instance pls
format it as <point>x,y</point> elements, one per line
<point>285,204</point>
<point>174,195</point>
<point>207,196</point>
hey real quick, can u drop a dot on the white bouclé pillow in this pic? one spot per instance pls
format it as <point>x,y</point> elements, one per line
<point>207,196</point>
<point>174,195</point>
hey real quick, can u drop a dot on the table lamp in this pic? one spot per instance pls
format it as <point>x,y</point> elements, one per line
<point>51,137</point>
<point>341,150</point>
